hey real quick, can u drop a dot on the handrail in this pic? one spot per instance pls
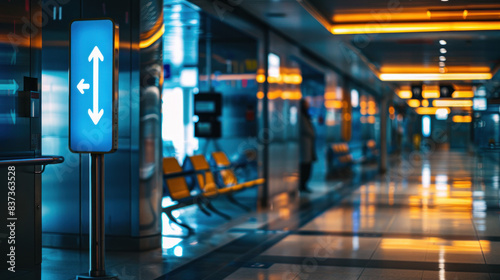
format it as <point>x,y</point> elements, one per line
<point>43,160</point>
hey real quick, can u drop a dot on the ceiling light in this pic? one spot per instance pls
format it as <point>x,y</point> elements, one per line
<point>442,70</point>
<point>412,27</point>
<point>431,110</point>
<point>451,103</point>
<point>441,64</point>
<point>462,94</point>
<point>430,91</point>
<point>434,76</point>
<point>418,16</point>
<point>413,103</point>
<point>405,94</point>
<point>442,42</point>
<point>462,119</point>
<point>442,58</point>
<point>442,50</point>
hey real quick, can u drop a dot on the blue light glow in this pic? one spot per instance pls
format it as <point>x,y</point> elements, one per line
<point>91,86</point>
<point>426,126</point>
<point>354,98</point>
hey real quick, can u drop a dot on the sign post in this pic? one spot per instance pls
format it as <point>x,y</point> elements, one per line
<point>93,118</point>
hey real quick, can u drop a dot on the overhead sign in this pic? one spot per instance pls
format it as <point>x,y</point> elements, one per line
<point>93,98</point>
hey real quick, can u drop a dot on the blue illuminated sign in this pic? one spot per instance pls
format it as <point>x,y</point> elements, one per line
<point>93,101</point>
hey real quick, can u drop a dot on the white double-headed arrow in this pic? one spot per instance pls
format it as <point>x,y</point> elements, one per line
<point>95,114</point>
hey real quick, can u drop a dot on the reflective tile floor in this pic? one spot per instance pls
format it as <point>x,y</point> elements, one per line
<point>430,217</point>
<point>433,216</point>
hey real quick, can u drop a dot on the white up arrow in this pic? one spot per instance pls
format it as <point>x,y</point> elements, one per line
<point>81,86</point>
<point>95,114</point>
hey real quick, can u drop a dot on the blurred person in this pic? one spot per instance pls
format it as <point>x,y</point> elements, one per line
<point>306,146</point>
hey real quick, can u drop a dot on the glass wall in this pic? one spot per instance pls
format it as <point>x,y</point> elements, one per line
<point>180,72</point>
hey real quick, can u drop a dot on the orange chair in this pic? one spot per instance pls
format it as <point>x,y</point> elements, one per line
<point>227,174</point>
<point>229,178</point>
<point>206,182</point>
<point>179,191</point>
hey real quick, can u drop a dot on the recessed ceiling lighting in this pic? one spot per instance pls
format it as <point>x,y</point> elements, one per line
<point>442,42</point>
<point>442,58</point>
<point>441,64</point>
<point>444,0</point>
<point>442,50</point>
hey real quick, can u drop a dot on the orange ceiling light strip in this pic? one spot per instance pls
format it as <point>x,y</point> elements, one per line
<point>430,91</point>
<point>414,103</point>
<point>405,94</point>
<point>462,119</point>
<point>333,104</point>
<point>416,15</point>
<point>429,110</point>
<point>463,94</point>
<point>451,103</point>
<point>412,27</point>
<point>381,17</point>
<point>433,69</point>
<point>457,14</point>
<point>434,76</point>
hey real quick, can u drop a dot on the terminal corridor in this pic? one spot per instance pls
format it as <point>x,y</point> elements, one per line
<point>433,218</point>
<point>232,139</point>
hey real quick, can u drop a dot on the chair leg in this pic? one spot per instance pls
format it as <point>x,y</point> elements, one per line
<point>213,209</point>
<point>199,203</point>
<point>174,220</point>
<point>237,203</point>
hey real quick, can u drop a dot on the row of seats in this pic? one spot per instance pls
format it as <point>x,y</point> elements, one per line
<point>198,182</point>
<point>340,157</point>
<point>370,151</point>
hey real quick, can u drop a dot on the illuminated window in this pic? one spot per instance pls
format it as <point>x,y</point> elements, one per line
<point>274,65</point>
<point>189,77</point>
<point>426,126</point>
<point>442,114</point>
<point>354,98</point>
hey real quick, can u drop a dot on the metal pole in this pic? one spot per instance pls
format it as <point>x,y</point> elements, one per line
<point>96,222</point>
<point>383,135</point>
<point>96,242</point>
<point>264,203</point>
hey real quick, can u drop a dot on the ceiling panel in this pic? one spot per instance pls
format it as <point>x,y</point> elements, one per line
<point>357,58</point>
<point>329,8</point>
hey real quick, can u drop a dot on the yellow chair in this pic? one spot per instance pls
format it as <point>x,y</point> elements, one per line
<point>206,182</point>
<point>228,177</point>
<point>179,191</point>
<point>205,178</point>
